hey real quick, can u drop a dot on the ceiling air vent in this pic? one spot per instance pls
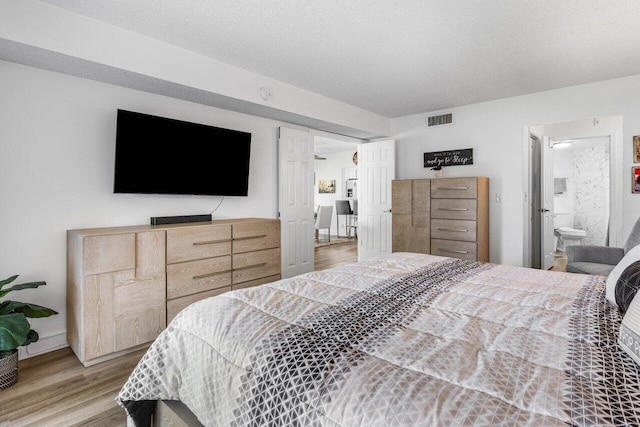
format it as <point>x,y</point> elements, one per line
<point>442,119</point>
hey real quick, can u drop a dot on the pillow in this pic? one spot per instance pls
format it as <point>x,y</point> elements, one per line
<point>629,336</point>
<point>612,279</point>
<point>628,285</point>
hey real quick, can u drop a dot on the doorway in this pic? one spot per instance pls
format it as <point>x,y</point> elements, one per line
<point>581,199</point>
<point>297,187</point>
<point>336,188</point>
<point>573,188</point>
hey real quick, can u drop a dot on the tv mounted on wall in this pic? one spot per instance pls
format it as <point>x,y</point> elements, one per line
<point>159,155</point>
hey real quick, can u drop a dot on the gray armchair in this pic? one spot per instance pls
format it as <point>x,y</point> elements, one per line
<point>600,260</point>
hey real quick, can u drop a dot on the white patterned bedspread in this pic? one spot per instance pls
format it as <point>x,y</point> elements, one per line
<point>408,339</point>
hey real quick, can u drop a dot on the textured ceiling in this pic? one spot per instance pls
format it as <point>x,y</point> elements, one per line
<point>398,57</point>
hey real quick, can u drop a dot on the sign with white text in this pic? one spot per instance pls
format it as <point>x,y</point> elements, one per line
<point>448,158</point>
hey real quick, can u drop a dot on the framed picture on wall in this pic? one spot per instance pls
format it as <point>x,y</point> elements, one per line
<point>326,186</point>
<point>635,185</point>
<point>636,149</point>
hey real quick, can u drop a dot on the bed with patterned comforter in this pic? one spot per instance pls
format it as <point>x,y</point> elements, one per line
<point>403,340</point>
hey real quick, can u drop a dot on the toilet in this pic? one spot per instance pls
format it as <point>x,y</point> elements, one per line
<point>564,231</point>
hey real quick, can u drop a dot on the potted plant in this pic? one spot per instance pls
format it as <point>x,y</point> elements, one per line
<point>438,171</point>
<point>15,330</point>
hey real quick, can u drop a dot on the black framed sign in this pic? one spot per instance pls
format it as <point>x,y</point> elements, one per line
<point>449,158</point>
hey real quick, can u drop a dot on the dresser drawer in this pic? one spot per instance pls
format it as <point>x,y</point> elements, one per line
<point>114,252</point>
<point>454,209</point>
<point>187,244</point>
<point>454,249</point>
<point>258,235</point>
<point>190,277</point>
<point>174,306</point>
<point>254,265</point>
<point>454,188</point>
<point>452,229</point>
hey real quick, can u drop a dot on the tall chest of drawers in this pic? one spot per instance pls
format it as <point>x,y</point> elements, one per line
<point>125,284</point>
<point>442,216</point>
<point>460,218</point>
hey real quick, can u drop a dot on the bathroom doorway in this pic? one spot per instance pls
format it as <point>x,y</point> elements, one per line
<point>581,196</point>
<point>573,190</point>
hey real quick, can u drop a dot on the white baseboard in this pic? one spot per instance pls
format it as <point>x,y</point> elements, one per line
<point>43,345</point>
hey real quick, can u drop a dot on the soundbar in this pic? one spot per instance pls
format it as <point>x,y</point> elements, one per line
<point>162,220</point>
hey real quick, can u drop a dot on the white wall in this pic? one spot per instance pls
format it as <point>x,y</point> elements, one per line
<point>496,132</point>
<point>563,167</point>
<point>56,173</point>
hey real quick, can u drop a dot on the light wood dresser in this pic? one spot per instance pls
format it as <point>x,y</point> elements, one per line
<point>125,284</point>
<point>451,214</point>
<point>411,215</point>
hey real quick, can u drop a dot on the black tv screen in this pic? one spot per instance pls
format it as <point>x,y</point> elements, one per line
<point>159,155</point>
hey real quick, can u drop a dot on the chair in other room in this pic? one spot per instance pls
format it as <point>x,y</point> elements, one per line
<point>343,207</point>
<point>323,221</point>
<point>354,217</point>
<point>591,259</point>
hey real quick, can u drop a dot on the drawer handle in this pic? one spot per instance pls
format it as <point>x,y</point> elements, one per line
<point>217,273</point>
<point>250,237</point>
<point>210,242</point>
<point>452,188</point>
<point>250,266</point>
<point>453,209</point>
<point>455,230</point>
<point>453,251</point>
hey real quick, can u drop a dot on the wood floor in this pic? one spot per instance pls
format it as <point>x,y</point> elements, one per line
<point>335,255</point>
<point>54,389</point>
<point>559,261</point>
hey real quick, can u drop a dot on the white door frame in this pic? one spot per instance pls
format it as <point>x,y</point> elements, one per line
<point>547,211</point>
<point>615,190</point>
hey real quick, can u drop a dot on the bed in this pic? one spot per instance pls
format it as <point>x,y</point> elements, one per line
<point>405,339</point>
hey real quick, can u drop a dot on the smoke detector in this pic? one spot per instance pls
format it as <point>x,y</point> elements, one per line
<point>266,93</point>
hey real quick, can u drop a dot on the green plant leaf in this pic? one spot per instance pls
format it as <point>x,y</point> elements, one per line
<point>6,307</point>
<point>29,310</point>
<point>14,329</point>
<point>21,286</point>
<point>7,281</point>
<point>32,336</point>
<point>25,286</point>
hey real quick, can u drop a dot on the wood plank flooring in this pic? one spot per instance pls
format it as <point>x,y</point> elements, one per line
<point>335,255</point>
<point>559,261</point>
<point>54,389</point>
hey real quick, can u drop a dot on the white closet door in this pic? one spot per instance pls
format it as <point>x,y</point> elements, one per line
<point>295,199</point>
<point>377,168</point>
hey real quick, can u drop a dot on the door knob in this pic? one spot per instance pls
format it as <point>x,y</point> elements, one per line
<point>543,210</point>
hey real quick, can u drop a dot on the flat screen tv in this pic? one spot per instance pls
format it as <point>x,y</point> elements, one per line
<point>159,155</point>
